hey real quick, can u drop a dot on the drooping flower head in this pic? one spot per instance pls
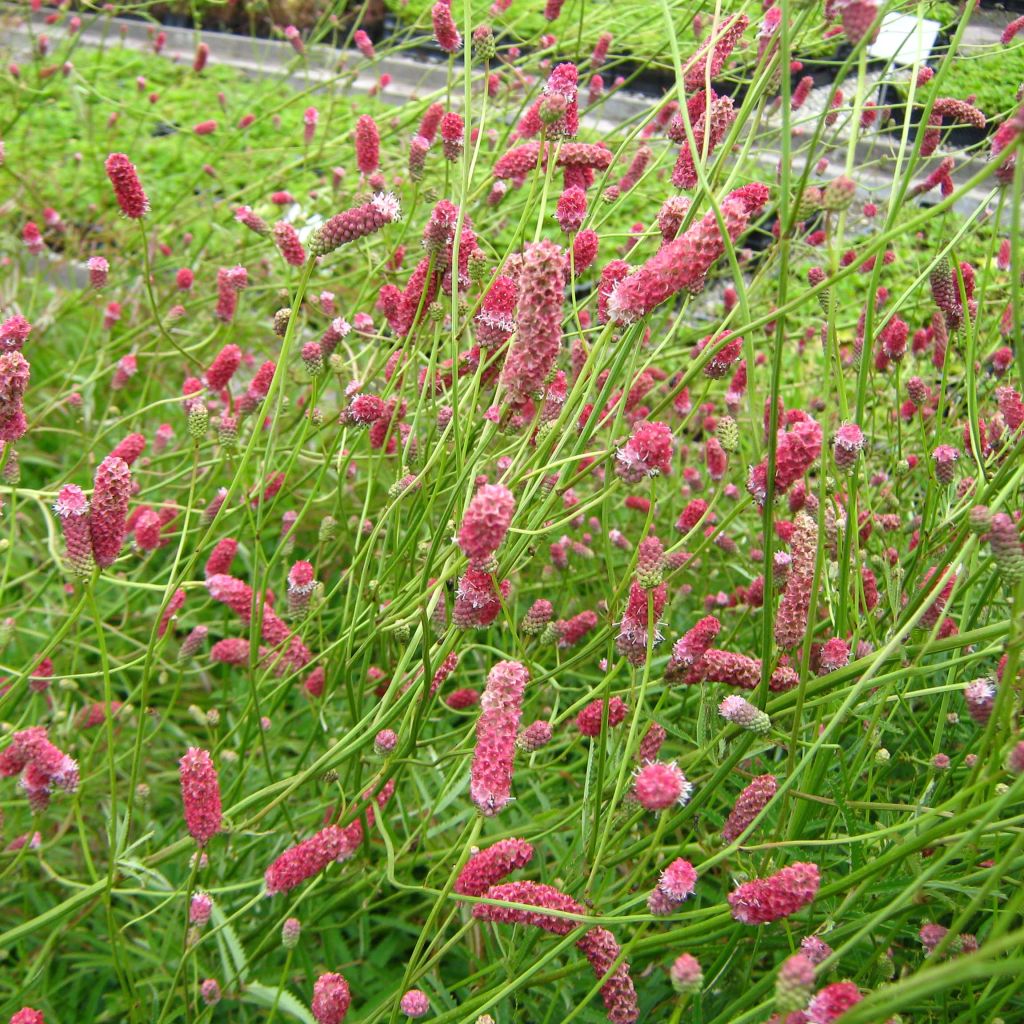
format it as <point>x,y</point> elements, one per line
<point>358,222</point>
<point>445,31</point>
<point>769,899</point>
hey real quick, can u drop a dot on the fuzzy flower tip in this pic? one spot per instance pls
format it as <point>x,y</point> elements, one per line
<point>647,453</point>
<point>501,710</point>
<point>679,880</point>
<point>770,899</point>
<point>657,786</point>
<point>72,508</point>
<point>200,795</point>
<point>331,999</point>
<point>486,521</point>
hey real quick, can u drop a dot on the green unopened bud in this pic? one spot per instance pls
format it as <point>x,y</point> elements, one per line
<point>227,430</point>
<point>551,634</point>
<point>484,46</point>
<point>728,434</point>
<point>281,318</point>
<point>810,201</point>
<point>328,529</point>
<point>198,422</point>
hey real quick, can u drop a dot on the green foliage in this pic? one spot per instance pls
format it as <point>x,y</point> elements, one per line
<point>993,75</point>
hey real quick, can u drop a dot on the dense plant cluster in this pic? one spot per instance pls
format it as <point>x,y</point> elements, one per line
<point>526,552</point>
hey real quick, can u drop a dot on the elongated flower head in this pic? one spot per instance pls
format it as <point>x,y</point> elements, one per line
<point>355,223</point>
<point>127,187</point>
<point>770,899</point>
<point>200,908</point>
<point>367,142</point>
<point>286,238</point>
<point>486,521</point>
<point>538,337</point>
<point>445,32</point>
<point>501,711</point>
<point>488,867</point>
<point>749,804</point>
<point>306,859</point>
<point>72,507</point>
<point>108,521</point>
<point>200,795</point>
<point>794,983</point>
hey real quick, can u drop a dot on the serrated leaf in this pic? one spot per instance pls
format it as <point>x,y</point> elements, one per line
<point>263,995</point>
<point>230,946</point>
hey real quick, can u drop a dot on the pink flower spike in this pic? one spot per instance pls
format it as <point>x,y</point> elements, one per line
<point>445,32</point>
<point>108,521</point>
<point>501,710</point>
<point>200,795</point>
<point>486,521</point>
<point>127,187</point>
<point>540,294</point>
<point>488,867</point>
<point>764,900</point>
<point>72,508</point>
<point>306,859</point>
